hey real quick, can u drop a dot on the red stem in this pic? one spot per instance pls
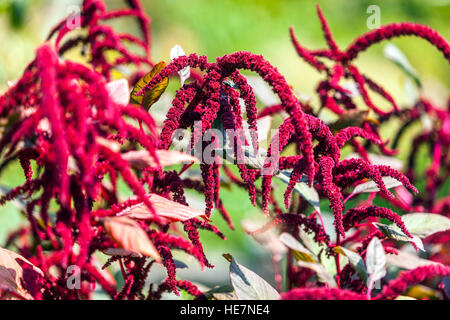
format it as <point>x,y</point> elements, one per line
<point>288,269</point>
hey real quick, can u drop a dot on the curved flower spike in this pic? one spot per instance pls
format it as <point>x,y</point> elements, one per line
<point>407,278</point>
<point>396,30</point>
<point>327,33</point>
<point>354,216</point>
<point>348,133</point>
<point>321,294</point>
<point>332,192</point>
<point>352,170</point>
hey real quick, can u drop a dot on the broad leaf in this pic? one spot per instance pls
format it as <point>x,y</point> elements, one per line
<point>393,53</point>
<point>150,96</point>
<point>405,298</point>
<point>141,159</point>
<point>375,261</point>
<point>248,285</point>
<point>262,91</point>
<point>225,296</point>
<point>425,224</point>
<point>185,73</point>
<point>422,292</point>
<point>351,118</point>
<point>310,194</point>
<point>121,252</point>
<point>110,144</point>
<point>268,239</point>
<point>263,126</point>
<point>371,186</point>
<point>427,122</point>
<point>170,157</point>
<point>327,261</point>
<point>379,159</point>
<point>300,252</point>
<point>12,273</point>
<point>225,292</point>
<point>169,210</point>
<point>355,260</point>
<point>250,159</point>
<point>409,261</point>
<point>128,234</point>
<point>393,232</point>
<point>411,92</point>
<point>180,264</point>
<point>322,274</point>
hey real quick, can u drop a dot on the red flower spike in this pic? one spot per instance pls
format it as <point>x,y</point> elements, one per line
<point>321,294</point>
<point>332,192</point>
<point>354,216</point>
<point>327,33</point>
<point>396,30</point>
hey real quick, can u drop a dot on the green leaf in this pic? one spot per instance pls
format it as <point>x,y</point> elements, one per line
<point>248,285</point>
<point>220,293</point>
<point>407,260</point>
<point>153,95</point>
<point>318,250</point>
<point>394,232</point>
<point>371,186</point>
<point>300,252</point>
<point>180,264</point>
<point>375,261</point>
<point>411,92</point>
<point>225,296</point>
<point>355,260</point>
<point>302,188</point>
<point>322,274</point>
<point>405,298</point>
<point>231,84</point>
<point>425,224</point>
<point>351,118</point>
<point>393,53</point>
<point>251,160</point>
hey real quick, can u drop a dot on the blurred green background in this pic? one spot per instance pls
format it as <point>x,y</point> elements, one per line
<point>215,28</point>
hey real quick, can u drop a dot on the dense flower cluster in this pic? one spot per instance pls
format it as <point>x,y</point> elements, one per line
<point>339,100</point>
<point>434,136</point>
<point>69,134</point>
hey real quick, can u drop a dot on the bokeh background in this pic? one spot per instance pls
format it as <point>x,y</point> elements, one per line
<point>215,28</point>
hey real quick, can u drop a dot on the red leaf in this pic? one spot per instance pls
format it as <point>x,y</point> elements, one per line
<point>129,235</point>
<point>169,210</point>
<point>11,273</point>
<point>141,159</point>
